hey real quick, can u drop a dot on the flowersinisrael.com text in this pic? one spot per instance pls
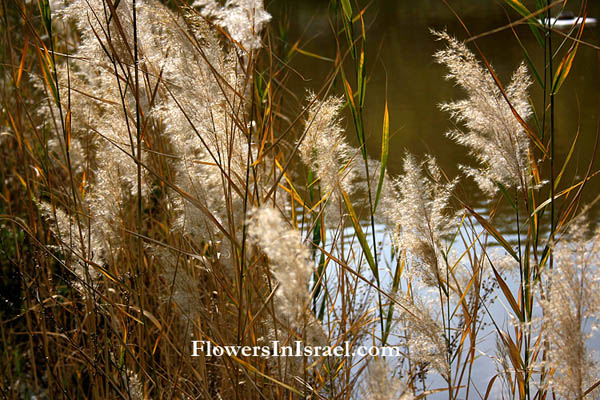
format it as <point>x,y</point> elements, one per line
<point>296,349</point>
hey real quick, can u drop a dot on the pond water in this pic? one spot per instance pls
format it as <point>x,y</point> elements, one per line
<point>400,63</point>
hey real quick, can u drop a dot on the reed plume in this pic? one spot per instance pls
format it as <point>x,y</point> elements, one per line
<point>571,310</point>
<point>422,218</point>
<point>493,134</point>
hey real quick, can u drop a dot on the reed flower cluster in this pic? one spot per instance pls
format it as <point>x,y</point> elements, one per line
<point>422,218</point>
<point>324,149</point>
<point>382,386</point>
<point>243,19</point>
<point>572,311</point>
<point>425,340</point>
<point>289,261</point>
<point>494,134</point>
<point>190,104</point>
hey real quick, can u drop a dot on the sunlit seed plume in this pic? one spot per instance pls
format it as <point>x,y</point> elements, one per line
<point>425,340</point>
<point>421,218</point>
<point>102,124</point>
<point>382,386</point>
<point>421,224</point>
<point>493,133</point>
<point>77,249</point>
<point>338,166</point>
<point>289,262</point>
<point>324,148</point>
<point>202,107</point>
<point>289,258</point>
<point>572,311</point>
<point>243,19</point>
<point>135,388</point>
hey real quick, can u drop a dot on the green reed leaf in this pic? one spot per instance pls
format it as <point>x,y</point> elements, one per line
<point>488,227</point>
<point>385,150</point>
<point>362,239</point>
<point>347,8</point>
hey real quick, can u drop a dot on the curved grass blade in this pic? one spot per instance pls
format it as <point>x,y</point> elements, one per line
<point>567,62</point>
<point>385,151</point>
<point>506,195</point>
<point>347,8</point>
<point>524,11</point>
<point>488,227</point>
<point>507,293</point>
<point>362,239</point>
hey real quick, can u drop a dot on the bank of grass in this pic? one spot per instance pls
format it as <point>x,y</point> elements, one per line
<point>157,189</point>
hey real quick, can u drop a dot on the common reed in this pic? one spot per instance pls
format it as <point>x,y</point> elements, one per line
<point>158,189</point>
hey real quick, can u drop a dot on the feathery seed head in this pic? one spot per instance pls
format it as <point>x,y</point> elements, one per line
<point>493,133</point>
<point>288,257</point>
<point>243,19</point>
<point>382,386</point>
<point>421,218</point>
<point>572,311</point>
<point>325,150</point>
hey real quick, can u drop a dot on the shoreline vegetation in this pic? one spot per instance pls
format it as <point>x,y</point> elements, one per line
<point>162,186</point>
